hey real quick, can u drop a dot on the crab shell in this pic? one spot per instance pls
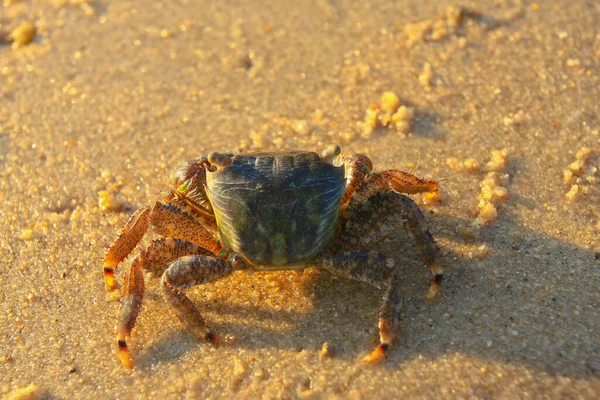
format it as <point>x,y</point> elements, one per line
<point>277,210</point>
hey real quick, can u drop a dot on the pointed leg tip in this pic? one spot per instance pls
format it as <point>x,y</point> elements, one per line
<point>213,338</point>
<point>127,362</point>
<point>433,291</point>
<point>376,355</point>
<point>111,284</point>
<point>124,355</point>
<point>109,278</point>
<point>434,288</point>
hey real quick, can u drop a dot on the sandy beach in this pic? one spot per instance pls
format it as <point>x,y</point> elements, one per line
<point>498,100</point>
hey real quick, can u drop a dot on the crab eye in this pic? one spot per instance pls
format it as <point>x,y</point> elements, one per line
<point>331,152</point>
<point>220,160</point>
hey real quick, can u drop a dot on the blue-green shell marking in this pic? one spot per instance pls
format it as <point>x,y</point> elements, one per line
<point>277,210</point>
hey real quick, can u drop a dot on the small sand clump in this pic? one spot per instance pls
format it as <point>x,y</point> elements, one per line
<point>471,165</point>
<point>402,119</point>
<point>515,119</point>
<point>493,190</point>
<point>573,193</point>
<point>23,35</point>
<point>468,165</point>
<point>389,102</point>
<point>371,121</point>
<point>325,351</point>
<point>240,372</point>
<point>26,234</point>
<point>389,114</point>
<point>426,77</point>
<point>455,164</point>
<point>108,200</point>
<point>583,174</point>
<point>493,193</point>
<point>30,392</point>
<point>438,29</point>
<point>499,161</point>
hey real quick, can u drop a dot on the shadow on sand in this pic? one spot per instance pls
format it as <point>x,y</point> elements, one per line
<point>520,304</point>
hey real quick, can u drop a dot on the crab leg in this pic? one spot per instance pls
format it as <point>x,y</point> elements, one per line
<point>154,258</point>
<point>403,182</point>
<point>131,300</point>
<point>375,269</point>
<point>357,168</point>
<point>389,320</point>
<point>162,252</point>
<point>190,271</point>
<point>132,233</point>
<point>384,182</point>
<point>169,221</point>
<point>383,213</point>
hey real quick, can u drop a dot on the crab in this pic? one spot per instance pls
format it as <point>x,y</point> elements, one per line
<point>272,211</point>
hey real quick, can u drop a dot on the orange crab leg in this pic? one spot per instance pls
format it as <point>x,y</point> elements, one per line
<point>375,269</point>
<point>190,271</point>
<point>414,223</point>
<point>132,233</point>
<point>357,166</point>
<point>378,182</point>
<point>389,321</point>
<point>383,213</point>
<point>403,182</point>
<point>131,301</point>
<point>374,218</point>
<point>155,258</point>
<point>169,221</point>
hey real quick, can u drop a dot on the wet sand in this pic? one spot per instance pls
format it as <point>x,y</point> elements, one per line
<point>111,96</point>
